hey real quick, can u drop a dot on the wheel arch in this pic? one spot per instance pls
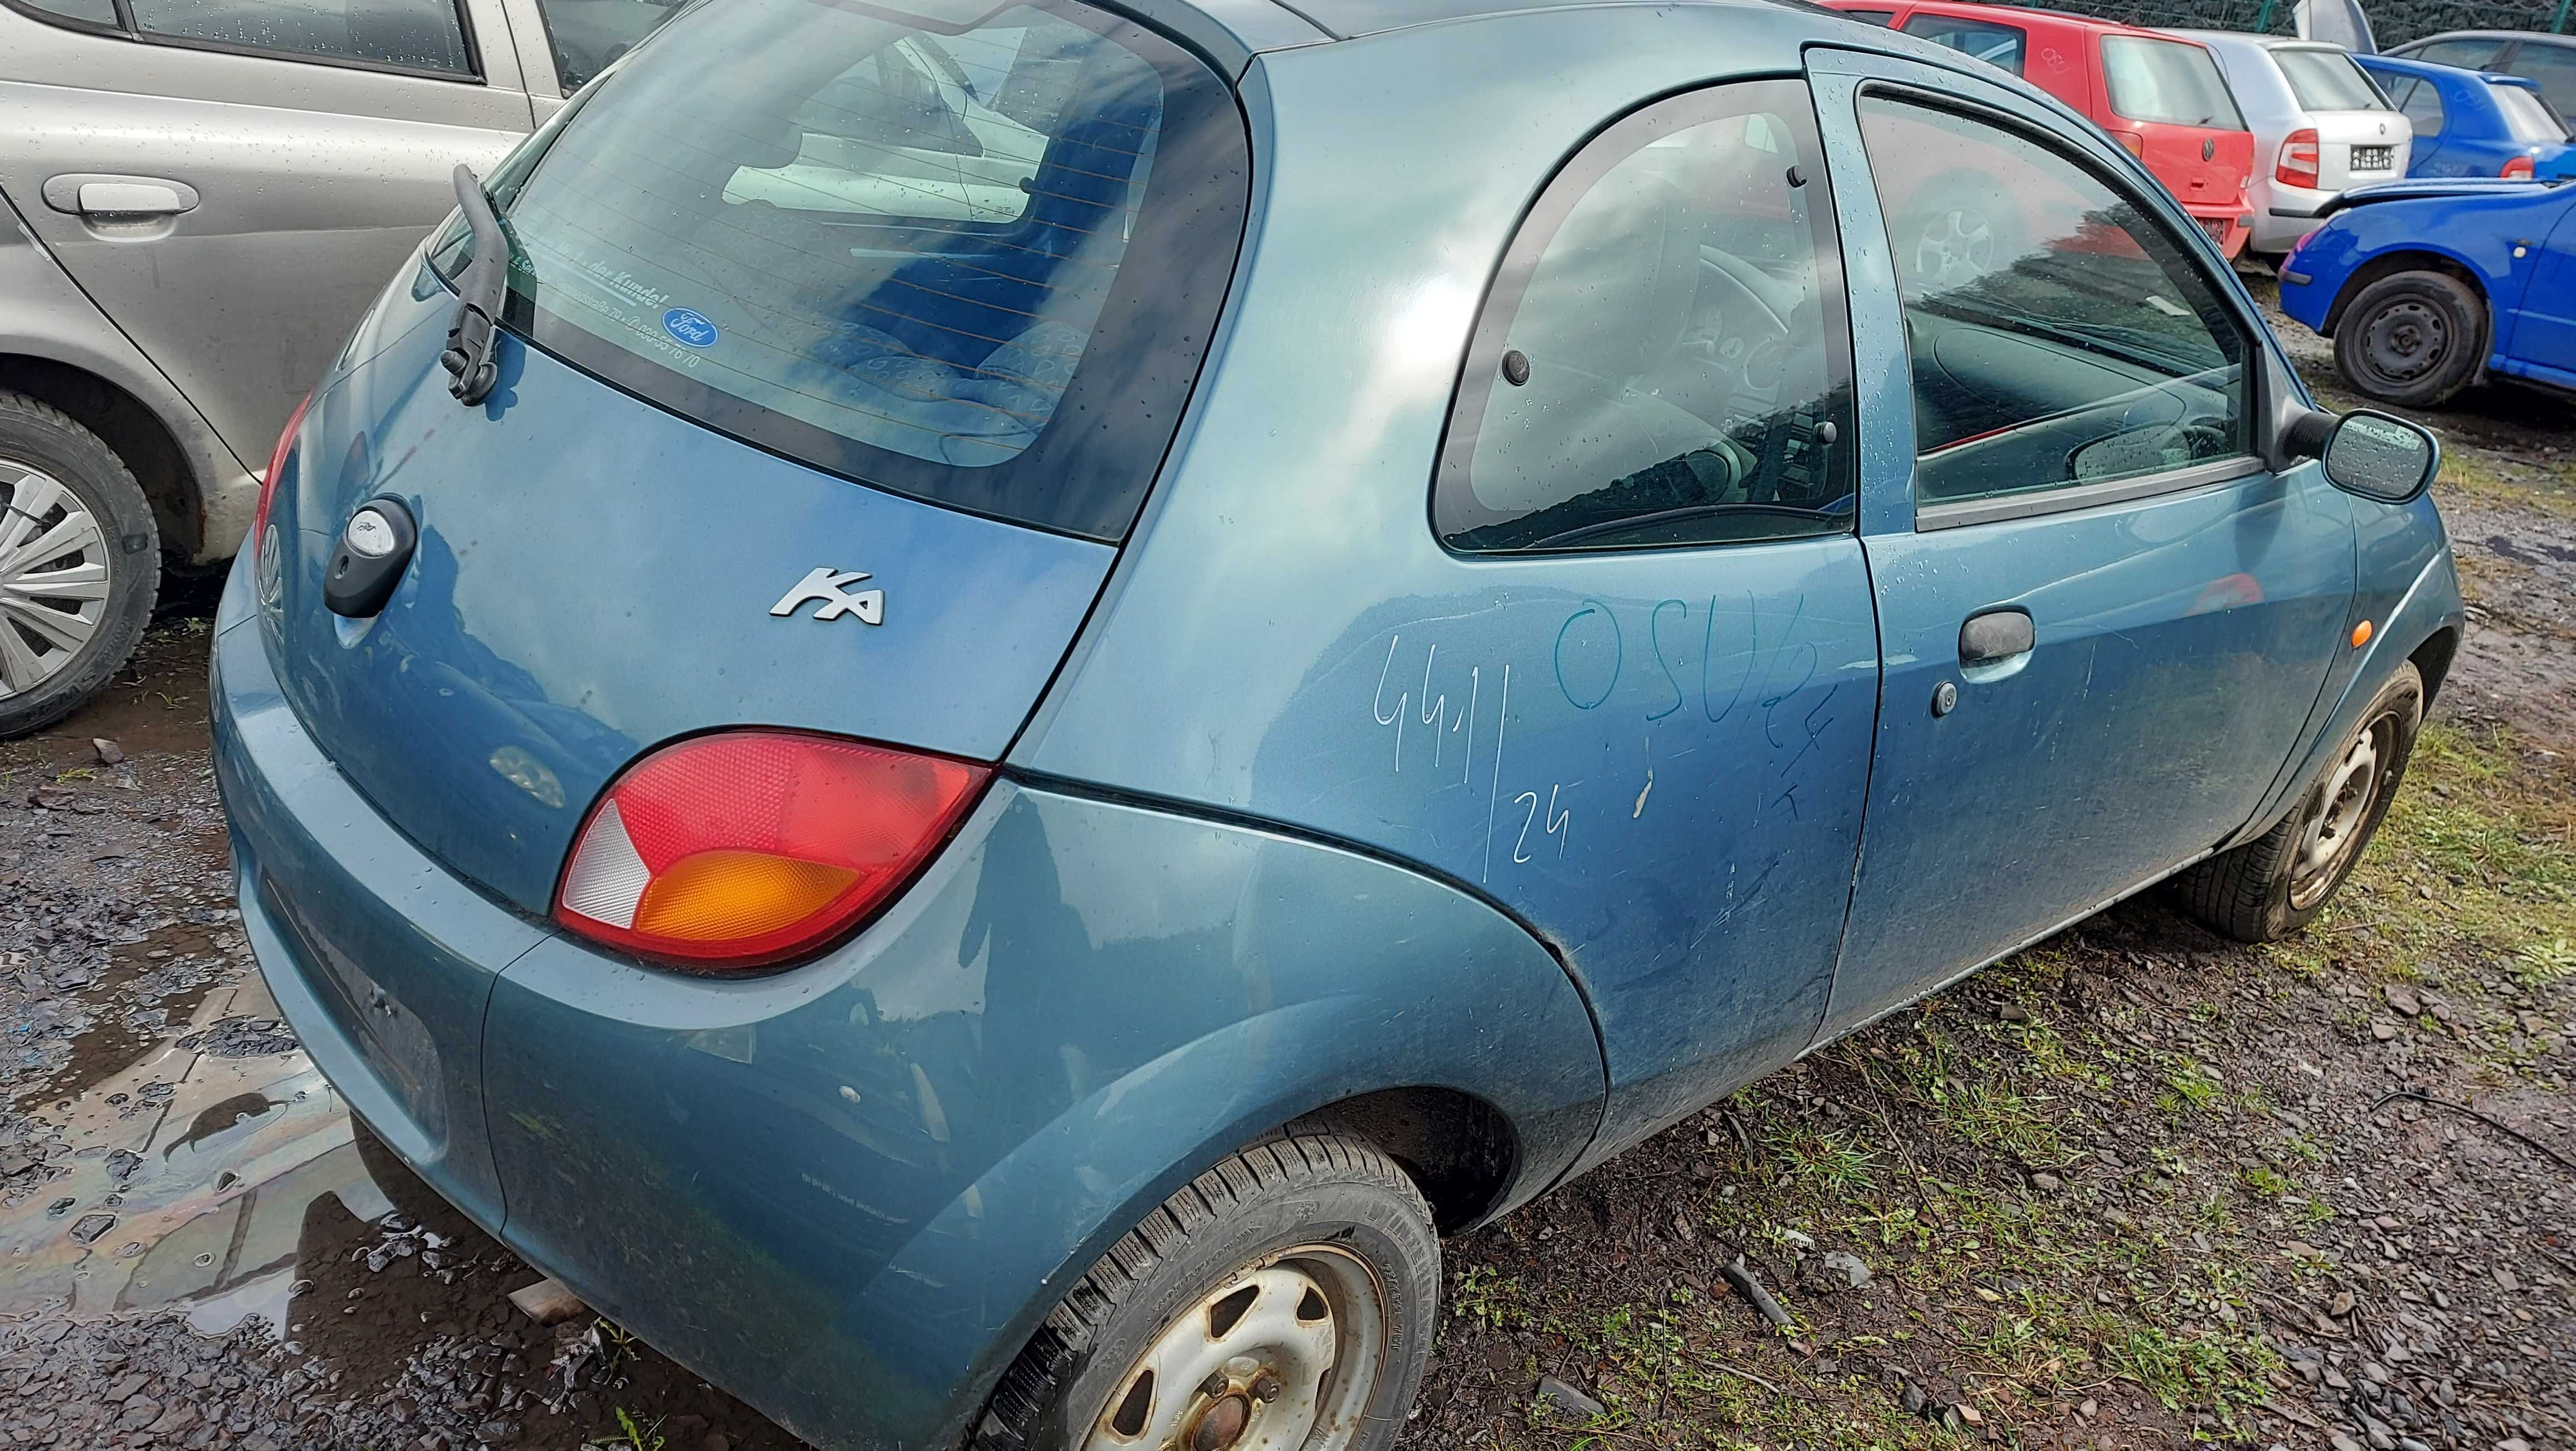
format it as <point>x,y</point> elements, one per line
<point>2412,259</point>
<point>130,427</point>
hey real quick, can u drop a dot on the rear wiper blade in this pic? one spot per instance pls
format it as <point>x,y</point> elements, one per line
<point>481,292</point>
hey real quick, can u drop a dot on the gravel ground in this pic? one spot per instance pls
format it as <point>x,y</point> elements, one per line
<point>2135,1187</point>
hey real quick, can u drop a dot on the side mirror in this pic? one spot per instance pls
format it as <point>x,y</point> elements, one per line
<point>2368,453</point>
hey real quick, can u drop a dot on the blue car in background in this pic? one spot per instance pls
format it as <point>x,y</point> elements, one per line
<point>976,751</point>
<point>2424,285</point>
<point>2475,123</point>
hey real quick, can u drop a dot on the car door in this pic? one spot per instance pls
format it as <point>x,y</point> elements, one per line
<point>2105,623</point>
<point>2543,328</point>
<point>1648,470</point>
<point>233,184</point>
<point>2420,100</point>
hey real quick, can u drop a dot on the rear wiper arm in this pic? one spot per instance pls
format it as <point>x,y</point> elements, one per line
<point>481,292</point>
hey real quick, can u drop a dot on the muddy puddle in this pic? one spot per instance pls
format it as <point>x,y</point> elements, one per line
<point>184,1175</point>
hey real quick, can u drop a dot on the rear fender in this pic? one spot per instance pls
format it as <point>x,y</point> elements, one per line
<point>863,1182</point>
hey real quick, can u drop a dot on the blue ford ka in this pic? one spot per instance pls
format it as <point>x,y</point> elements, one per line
<point>974,709</point>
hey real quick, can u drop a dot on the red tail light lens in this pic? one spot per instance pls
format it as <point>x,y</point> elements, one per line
<point>2518,169</point>
<point>276,467</point>
<point>2298,164</point>
<point>751,847</point>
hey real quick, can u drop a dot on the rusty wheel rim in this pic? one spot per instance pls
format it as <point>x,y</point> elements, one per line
<point>1281,1357</point>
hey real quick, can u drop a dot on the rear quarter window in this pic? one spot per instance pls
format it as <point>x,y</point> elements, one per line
<point>2168,81</point>
<point>974,265</point>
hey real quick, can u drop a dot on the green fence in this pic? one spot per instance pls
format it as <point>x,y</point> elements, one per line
<point>2394,21</point>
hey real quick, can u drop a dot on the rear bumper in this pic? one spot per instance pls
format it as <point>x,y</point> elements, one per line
<point>848,1191</point>
<point>2229,226</point>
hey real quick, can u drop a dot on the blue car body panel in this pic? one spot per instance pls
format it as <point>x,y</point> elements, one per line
<point>849,1185</point>
<point>1293,804</point>
<point>2475,139</point>
<point>2516,239</point>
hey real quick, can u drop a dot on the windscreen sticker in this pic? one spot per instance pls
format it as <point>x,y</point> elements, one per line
<point>689,328</point>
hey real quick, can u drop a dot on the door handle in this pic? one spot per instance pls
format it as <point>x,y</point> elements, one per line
<point>1994,637</point>
<point>119,198</point>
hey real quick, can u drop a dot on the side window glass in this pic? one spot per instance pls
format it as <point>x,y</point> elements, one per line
<point>1999,45</point>
<point>2058,334</point>
<point>588,34</point>
<point>1664,360</point>
<point>2423,106</point>
<point>2554,66</point>
<point>913,132</point>
<point>420,35</point>
<point>2473,54</point>
<point>88,12</point>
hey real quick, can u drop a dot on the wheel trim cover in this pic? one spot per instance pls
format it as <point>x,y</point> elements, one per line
<point>1955,246</point>
<point>56,573</point>
<point>1326,1366</point>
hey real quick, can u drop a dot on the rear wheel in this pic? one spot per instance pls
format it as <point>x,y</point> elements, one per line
<point>80,564</point>
<point>1282,1301</point>
<point>2276,884</point>
<point>2414,338</point>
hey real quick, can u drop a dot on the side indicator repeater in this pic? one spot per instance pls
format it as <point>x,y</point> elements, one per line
<point>2361,634</point>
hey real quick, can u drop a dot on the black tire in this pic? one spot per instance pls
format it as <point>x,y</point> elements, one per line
<point>1309,1193</point>
<point>2274,885</point>
<point>38,438</point>
<point>2413,338</point>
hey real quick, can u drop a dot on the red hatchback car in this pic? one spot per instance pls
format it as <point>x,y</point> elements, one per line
<point>2160,97</point>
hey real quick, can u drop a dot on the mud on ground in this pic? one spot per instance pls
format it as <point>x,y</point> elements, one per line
<point>2136,1187</point>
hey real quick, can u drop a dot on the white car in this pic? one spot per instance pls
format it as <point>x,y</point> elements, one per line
<point>2320,125</point>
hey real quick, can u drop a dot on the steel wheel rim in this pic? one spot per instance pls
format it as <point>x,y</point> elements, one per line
<point>1282,1357</point>
<point>1954,247</point>
<point>2406,340</point>
<point>2339,813</point>
<point>55,576</point>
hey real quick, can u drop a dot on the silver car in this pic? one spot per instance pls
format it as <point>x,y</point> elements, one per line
<point>2319,126</point>
<point>199,198</point>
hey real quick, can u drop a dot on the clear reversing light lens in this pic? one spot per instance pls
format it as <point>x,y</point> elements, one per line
<point>750,847</point>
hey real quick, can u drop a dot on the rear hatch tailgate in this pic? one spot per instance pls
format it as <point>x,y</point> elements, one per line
<point>840,352</point>
<point>595,577</point>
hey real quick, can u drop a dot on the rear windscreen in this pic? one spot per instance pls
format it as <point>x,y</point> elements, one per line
<point>2327,80</point>
<point>2526,115</point>
<point>2167,81</point>
<point>975,263</point>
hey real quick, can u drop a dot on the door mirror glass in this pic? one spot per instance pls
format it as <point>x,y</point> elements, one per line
<point>2379,457</point>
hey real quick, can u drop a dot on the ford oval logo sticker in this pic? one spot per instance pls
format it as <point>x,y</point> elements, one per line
<point>689,327</point>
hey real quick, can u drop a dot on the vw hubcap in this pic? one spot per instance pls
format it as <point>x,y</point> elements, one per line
<point>1956,247</point>
<point>54,577</point>
<point>1281,1359</point>
<point>2338,814</point>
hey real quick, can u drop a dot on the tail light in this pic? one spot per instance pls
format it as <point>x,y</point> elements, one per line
<point>2518,169</point>
<point>2298,164</point>
<point>2132,143</point>
<point>276,467</point>
<point>747,848</point>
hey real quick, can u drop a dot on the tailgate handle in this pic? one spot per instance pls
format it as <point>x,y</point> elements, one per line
<point>119,197</point>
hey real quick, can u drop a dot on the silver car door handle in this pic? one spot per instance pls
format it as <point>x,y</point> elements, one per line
<point>119,197</point>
